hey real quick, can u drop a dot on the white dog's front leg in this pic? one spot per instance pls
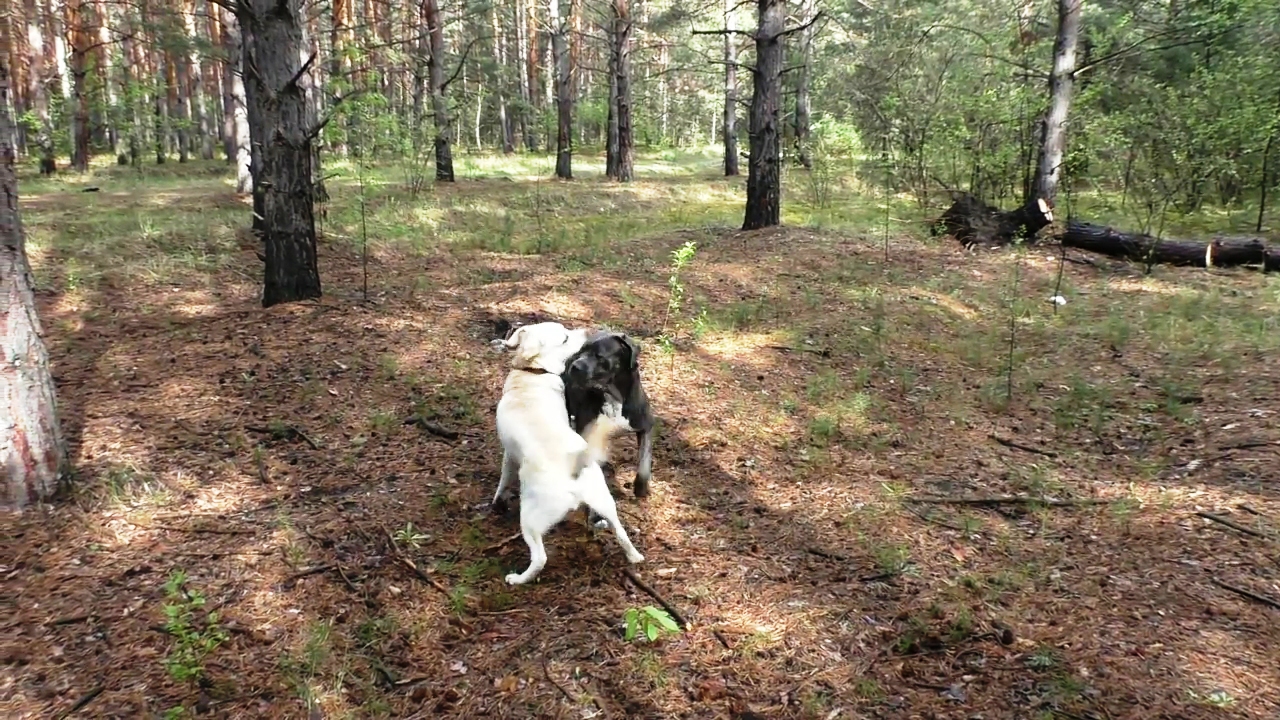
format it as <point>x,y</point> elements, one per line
<point>537,558</point>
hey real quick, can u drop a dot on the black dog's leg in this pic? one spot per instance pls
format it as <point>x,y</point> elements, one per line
<point>644,463</point>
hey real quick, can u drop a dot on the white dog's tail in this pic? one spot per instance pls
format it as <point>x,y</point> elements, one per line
<point>596,452</point>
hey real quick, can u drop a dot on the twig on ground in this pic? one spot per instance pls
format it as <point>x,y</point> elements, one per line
<point>262,467</point>
<point>1019,446</point>
<point>828,555</point>
<point>85,699</point>
<point>1007,500</point>
<point>502,543</point>
<point>930,519</point>
<point>1261,599</point>
<point>1249,445</point>
<point>546,672</point>
<point>289,431</point>
<point>878,577</point>
<point>1249,510</point>
<point>70,619</point>
<point>671,609</point>
<point>417,571</point>
<point>212,531</point>
<point>304,572</point>
<point>431,427</point>
<point>723,640</point>
<point>1233,525</point>
<point>820,352</point>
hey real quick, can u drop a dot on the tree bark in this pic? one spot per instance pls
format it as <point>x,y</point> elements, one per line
<point>563,91</point>
<point>1054,127</point>
<point>236,107</point>
<point>38,75</point>
<point>501,51</point>
<point>730,95</point>
<point>272,34</point>
<point>195,85</point>
<point>32,449</point>
<point>77,25</point>
<point>764,191</point>
<point>804,153</point>
<point>620,150</point>
<point>1221,251</point>
<point>435,76</point>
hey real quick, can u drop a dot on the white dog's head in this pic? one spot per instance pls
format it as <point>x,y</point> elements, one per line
<point>544,346</point>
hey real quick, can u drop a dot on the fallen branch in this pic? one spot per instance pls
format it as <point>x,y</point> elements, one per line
<point>1220,251</point>
<point>85,699</point>
<point>546,672</point>
<point>431,427</point>
<point>1251,445</point>
<point>1233,525</point>
<point>828,555</point>
<point>314,570</point>
<point>417,571</point>
<point>671,609</point>
<point>935,521</point>
<point>1008,500</point>
<point>1261,599</point>
<point>70,619</point>
<point>288,431</point>
<point>821,352</point>
<point>502,543</point>
<point>211,531</point>
<point>1020,446</point>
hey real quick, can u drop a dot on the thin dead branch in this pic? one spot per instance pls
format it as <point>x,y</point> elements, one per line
<point>1008,500</point>
<point>431,427</point>
<point>84,700</point>
<point>1260,599</point>
<point>821,352</point>
<point>502,543</point>
<point>671,609</point>
<point>1019,446</point>
<point>1233,525</point>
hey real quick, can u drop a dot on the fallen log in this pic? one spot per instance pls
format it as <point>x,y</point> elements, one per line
<point>974,222</point>
<point>1220,251</point>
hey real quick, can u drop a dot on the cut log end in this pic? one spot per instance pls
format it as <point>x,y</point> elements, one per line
<point>1221,251</point>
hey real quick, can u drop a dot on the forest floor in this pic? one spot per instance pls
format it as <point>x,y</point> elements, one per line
<point>815,402</point>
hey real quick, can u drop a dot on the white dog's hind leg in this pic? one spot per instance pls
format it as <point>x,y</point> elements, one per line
<point>509,469</point>
<point>537,553</point>
<point>595,493</point>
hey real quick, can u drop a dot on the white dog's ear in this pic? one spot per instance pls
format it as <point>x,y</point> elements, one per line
<point>528,347</point>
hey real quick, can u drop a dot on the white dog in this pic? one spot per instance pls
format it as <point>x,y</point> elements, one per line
<point>559,470</point>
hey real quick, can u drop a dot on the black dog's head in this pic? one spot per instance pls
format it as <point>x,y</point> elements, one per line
<point>608,361</point>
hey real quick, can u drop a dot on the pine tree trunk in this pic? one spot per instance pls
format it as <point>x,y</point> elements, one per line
<point>236,106</point>
<point>563,92</point>
<point>730,96</point>
<point>195,83</point>
<point>76,21</point>
<point>764,187</point>
<point>272,32</point>
<point>435,77</point>
<point>1054,139</point>
<point>500,53</point>
<point>38,74</point>
<point>339,63</point>
<point>802,117</point>
<point>622,80</point>
<point>32,449</point>
<point>612,152</point>
<point>527,54</point>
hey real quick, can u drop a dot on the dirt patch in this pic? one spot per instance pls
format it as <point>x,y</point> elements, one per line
<point>261,460</point>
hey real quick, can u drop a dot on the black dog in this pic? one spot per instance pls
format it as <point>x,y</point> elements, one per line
<point>603,379</point>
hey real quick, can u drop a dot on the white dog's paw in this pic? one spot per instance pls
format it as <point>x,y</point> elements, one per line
<point>515,579</point>
<point>636,558</point>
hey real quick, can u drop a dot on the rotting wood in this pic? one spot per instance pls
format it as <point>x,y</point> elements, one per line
<point>1260,599</point>
<point>1019,446</point>
<point>1233,525</point>
<point>973,222</point>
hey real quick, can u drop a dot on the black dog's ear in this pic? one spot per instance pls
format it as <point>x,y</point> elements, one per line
<point>633,347</point>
